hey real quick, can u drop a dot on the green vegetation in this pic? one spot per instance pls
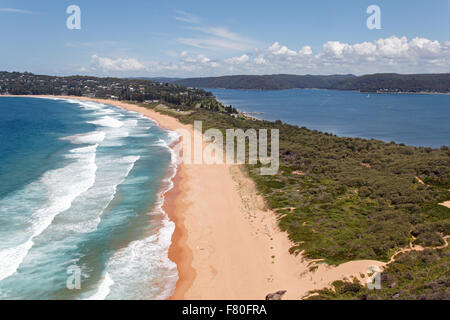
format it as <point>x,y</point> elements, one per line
<point>414,275</point>
<point>369,83</point>
<point>268,82</point>
<point>343,199</point>
<point>352,198</point>
<point>398,83</point>
<point>339,199</point>
<point>139,90</point>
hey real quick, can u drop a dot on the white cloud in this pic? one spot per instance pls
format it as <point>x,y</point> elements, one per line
<point>425,47</point>
<point>260,60</point>
<point>116,65</point>
<point>213,44</point>
<point>365,48</point>
<point>334,48</point>
<point>392,47</point>
<point>238,60</point>
<point>186,17</point>
<point>276,49</point>
<point>12,10</point>
<point>211,38</point>
<point>393,54</point>
<point>216,39</point>
<point>220,32</point>
<point>306,50</point>
<point>199,62</point>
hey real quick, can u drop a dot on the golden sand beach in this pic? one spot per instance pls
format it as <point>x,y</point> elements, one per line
<point>226,244</point>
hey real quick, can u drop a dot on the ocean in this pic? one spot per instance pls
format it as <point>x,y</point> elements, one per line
<point>81,202</point>
<point>413,119</point>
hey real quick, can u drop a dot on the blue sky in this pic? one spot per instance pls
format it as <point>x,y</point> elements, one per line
<point>200,38</point>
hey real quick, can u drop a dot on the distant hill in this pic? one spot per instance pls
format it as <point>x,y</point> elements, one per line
<point>158,79</point>
<point>267,82</point>
<point>390,82</point>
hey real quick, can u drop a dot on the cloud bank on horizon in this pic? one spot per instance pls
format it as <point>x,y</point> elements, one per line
<point>392,54</point>
<point>176,43</point>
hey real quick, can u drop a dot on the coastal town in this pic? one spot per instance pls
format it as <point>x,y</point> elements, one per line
<point>16,83</point>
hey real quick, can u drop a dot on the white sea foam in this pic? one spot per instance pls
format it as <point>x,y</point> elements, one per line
<point>83,210</point>
<point>108,121</point>
<point>63,186</point>
<point>104,111</point>
<point>86,212</point>
<point>95,137</point>
<point>147,258</point>
<point>161,143</point>
<point>11,259</point>
<point>173,137</point>
<point>131,123</point>
<point>104,288</point>
<point>87,105</point>
<point>115,129</point>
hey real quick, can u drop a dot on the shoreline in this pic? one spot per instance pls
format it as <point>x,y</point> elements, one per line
<point>179,252</point>
<point>226,245</point>
<point>341,90</point>
<point>171,197</point>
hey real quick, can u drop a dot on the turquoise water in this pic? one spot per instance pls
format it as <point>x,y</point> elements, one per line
<point>80,189</point>
<point>413,119</point>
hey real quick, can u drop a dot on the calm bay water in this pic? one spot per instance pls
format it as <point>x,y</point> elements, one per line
<point>413,119</point>
<point>78,180</point>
